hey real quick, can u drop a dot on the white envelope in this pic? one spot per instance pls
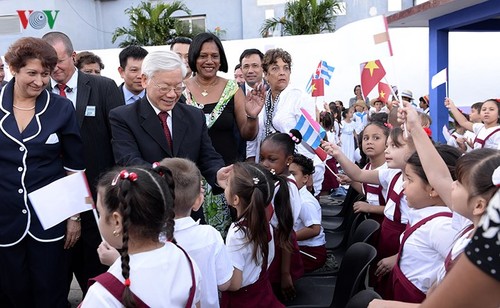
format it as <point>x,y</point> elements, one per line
<point>61,199</point>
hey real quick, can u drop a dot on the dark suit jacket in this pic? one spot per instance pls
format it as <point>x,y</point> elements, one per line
<point>95,97</point>
<point>138,137</point>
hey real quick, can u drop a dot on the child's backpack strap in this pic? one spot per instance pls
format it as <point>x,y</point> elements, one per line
<point>115,287</point>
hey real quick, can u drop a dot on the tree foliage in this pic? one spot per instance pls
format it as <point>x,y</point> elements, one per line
<point>304,17</point>
<point>152,25</point>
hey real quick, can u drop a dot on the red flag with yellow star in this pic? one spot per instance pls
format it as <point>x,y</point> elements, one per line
<point>384,91</point>
<point>318,87</point>
<point>371,73</point>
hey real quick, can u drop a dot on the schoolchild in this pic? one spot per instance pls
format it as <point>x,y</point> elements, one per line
<point>396,211</point>
<point>135,206</point>
<point>487,132</point>
<point>276,155</point>
<point>250,242</point>
<point>429,236</point>
<point>203,243</point>
<point>310,234</point>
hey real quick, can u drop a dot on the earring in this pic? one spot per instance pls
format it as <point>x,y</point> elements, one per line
<point>288,164</point>
<point>116,233</point>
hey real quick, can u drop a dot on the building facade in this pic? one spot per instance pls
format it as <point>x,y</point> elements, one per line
<point>90,23</point>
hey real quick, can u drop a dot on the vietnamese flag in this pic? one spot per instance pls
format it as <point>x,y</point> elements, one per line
<point>371,73</point>
<point>318,87</point>
<point>384,91</point>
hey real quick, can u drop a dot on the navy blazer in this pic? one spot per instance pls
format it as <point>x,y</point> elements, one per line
<point>48,147</point>
<point>138,137</point>
<point>95,97</point>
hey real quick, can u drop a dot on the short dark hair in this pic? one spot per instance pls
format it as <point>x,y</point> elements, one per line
<point>187,181</point>
<point>179,40</point>
<point>272,56</point>
<point>55,37</point>
<point>28,48</point>
<point>306,164</point>
<point>87,57</point>
<point>195,49</point>
<point>251,51</point>
<point>132,51</point>
<point>237,66</point>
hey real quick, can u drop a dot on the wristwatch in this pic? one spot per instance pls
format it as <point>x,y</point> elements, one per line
<point>76,218</point>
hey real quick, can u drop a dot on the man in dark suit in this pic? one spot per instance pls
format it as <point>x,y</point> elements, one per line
<point>180,45</point>
<point>130,70</point>
<point>93,97</point>
<point>157,126</point>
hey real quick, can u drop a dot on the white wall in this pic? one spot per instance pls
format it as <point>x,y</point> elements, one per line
<point>474,67</point>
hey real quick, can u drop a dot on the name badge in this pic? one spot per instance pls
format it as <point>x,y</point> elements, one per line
<point>90,111</point>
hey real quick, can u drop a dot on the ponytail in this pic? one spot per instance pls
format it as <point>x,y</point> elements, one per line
<point>283,210</point>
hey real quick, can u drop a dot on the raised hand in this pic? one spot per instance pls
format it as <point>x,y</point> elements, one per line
<point>254,101</point>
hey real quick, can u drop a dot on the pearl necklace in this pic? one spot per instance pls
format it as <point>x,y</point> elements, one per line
<point>205,91</point>
<point>24,109</point>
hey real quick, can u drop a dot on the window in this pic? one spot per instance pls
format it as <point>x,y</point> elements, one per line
<point>194,23</point>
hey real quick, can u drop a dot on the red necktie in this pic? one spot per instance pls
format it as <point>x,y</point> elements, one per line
<point>163,118</point>
<point>62,88</point>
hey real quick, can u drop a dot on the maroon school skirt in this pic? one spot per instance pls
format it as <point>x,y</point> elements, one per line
<point>311,264</point>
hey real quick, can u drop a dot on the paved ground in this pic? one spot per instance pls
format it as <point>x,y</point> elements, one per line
<point>75,294</point>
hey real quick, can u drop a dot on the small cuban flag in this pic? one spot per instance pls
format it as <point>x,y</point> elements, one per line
<point>312,133</point>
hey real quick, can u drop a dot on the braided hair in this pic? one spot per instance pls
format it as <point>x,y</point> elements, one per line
<point>144,198</point>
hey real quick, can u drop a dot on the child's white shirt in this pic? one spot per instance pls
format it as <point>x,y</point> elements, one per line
<point>457,249</point>
<point>310,214</point>
<point>425,251</point>
<point>371,198</point>
<point>493,142</point>
<point>240,252</point>
<point>205,246</point>
<point>385,177</point>
<point>160,278</point>
<point>295,201</point>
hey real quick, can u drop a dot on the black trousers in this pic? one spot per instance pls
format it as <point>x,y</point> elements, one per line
<point>33,274</point>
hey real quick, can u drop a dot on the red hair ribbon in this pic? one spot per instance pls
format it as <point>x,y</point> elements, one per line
<point>428,131</point>
<point>127,282</point>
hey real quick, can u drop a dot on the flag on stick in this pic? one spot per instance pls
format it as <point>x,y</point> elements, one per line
<point>323,71</point>
<point>384,91</point>
<point>439,78</point>
<point>318,87</point>
<point>312,133</point>
<point>371,73</point>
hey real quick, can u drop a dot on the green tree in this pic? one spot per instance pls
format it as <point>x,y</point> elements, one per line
<point>304,17</point>
<point>152,25</point>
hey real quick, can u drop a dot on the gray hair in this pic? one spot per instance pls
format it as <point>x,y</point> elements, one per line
<point>55,37</point>
<point>165,60</point>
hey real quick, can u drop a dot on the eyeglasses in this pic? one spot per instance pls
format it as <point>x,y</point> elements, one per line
<point>164,90</point>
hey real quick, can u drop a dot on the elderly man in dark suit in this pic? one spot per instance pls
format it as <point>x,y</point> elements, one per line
<point>93,97</point>
<point>157,126</point>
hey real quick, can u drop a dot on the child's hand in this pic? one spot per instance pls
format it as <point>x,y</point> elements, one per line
<point>361,207</point>
<point>344,179</point>
<point>107,254</point>
<point>409,115</point>
<point>330,148</point>
<point>287,288</point>
<point>385,265</point>
<point>449,103</point>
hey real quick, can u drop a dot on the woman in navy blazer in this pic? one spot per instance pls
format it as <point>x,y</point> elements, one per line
<point>40,143</point>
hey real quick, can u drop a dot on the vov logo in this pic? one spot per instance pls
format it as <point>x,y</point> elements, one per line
<point>37,19</point>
